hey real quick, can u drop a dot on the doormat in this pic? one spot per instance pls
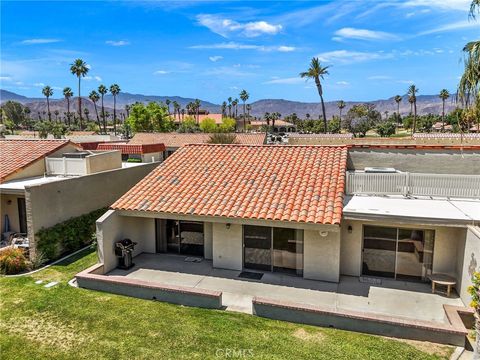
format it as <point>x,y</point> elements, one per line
<point>370,280</point>
<point>193,259</point>
<point>250,275</point>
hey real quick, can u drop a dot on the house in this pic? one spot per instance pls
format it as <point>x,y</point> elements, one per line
<point>439,127</point>
<point>136,152</point>
<point>173,141</point>
<point>321,232</point>
<point>59,176</point>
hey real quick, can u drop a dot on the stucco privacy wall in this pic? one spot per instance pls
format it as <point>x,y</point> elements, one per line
<point>103,161</point>
<point>416,160</point>
<point>321,255</point>
<point>445,254</point>
<point>227,246</point>
<point>471,262</point>
<point>51,203</point>
<point>112,227</point>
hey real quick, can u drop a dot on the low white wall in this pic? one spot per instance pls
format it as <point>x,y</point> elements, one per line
<point>471,263</point>
<point>112,227</point>
<point>227,246</point>
<point>208,240</point>
<point>321,256</point>
<point>152,157</point>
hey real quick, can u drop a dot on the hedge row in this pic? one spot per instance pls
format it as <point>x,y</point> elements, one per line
<point>67,236</point>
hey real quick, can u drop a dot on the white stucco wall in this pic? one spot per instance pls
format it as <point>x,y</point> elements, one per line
<point>112,227</point>
<point>208,240</point>
<point>227,246</point>
<point>321,256</point>
<point>448,246</point>
<point>471,263</point>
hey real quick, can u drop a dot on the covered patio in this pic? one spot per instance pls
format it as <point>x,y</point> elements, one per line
<point>394,298</point>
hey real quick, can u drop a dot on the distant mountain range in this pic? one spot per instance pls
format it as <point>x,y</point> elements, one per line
<point>425,104</point>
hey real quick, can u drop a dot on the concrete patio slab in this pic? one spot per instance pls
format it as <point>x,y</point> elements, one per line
<point>394,298</point>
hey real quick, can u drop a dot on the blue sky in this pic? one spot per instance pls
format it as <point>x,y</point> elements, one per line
<point>212,50</point>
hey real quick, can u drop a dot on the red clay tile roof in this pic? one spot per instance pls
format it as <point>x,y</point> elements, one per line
<point>17,154</point>
<point>285,183</point>
<point>133,148</point>
<point>176,140</point>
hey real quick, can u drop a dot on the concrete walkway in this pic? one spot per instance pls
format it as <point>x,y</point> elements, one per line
<point>395,298</point>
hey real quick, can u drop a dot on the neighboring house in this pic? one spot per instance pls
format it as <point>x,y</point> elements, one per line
<point>173,141</point>
<point>44,182</point>
<point>439,127</point>
<point>280,126</point>
<point>136,152</point>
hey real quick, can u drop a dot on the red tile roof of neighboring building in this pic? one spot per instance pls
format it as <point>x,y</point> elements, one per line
<point>133,148</point>
<point>284,183</point>
<point>176,140</point>
<point>18,154</point>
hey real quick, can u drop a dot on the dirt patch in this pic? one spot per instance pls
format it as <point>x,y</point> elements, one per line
<point>427,347</point>
<point>46,330</point>
<point>302,334</point>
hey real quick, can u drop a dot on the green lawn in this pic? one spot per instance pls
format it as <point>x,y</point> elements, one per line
<point>69,323</point>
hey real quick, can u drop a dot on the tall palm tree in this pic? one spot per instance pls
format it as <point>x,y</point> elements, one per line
<point>244,96</point>
<point>167,102</point>
<point>95,97</point>
<point>196,106</point>
<point>127,109</point>
<point>79,68</point>
<point>47,92</point>
<point>68,93</point>
<point>224,109</point>
<point>56,112</point>
<point>176,109</point>
<point>267,118</point>
<point>412,91</point>
<point>114,90</point>
<point>341,105</point>
<point>444,95</point>
<point>249,108</point>
<point>86,112</point>
<point>102,89</point>
<point>235,109</point>
<point>398,99</point>
<point>229,107</point>
<point>316,71</point>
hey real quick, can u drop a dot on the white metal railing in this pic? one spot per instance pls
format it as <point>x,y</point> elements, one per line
<point>66,166</point>
<point>404,183</point>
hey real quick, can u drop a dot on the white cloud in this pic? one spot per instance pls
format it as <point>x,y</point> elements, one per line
<point>225,27</point>
<point>239,46</point>
<point>215,58</point>
<point>160,72</point>
<point>290,80</point>
<point>460,5</point>
<point>343,83</point>
<point>347,56</point>
<point>117,43</point>
<point>98,78</point>
<point>408,82</point>
<point>5,78</point>
<point>39,41</point>
<point>226,71</point>
<point>451,27</point>
<point>363,34</point>
<point>379,77</point>
<point>39,84</point>
<point>88,78</point>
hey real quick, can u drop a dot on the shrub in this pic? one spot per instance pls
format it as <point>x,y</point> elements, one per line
<point>208,125</point>
<point>222,138</point>
<point>134,160</point>
<point>12,261</point>
<point>386,128</point>
<point>68,236</point>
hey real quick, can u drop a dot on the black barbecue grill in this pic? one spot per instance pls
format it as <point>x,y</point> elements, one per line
<point>123,250</point>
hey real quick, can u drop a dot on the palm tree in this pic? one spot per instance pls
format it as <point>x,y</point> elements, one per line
<point>224,109</point>
<point>316,71</point>
<point>267,117</point>
<point>398,99</point>
<point>444,95</point>
<point>249,107</point>
<point>176,109</point>
<point>79,68</point>
<point>95,97</point>
<point>114,90</point>
<point>341,105</point>
<point>86,112</point>
<point>167,102</point>
<point>56,112</point>
<point>102,89</point>
<point>127,109</point>
<point>235,106</point>
<point>307,116</point>
<point>68,93</point>
<point>47,92</point>
<point>196,106</point>
<point>244,97</point>
<point>229,107</point>
<point>412,91</point>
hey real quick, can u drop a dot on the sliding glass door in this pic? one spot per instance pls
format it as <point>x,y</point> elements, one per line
<point>397,253</point>
<point>273,249</point>
<point>185,237</point>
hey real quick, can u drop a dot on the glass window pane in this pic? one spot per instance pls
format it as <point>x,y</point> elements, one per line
<point>415,253</point>
<point>288,250</point>
<point>379,251</point>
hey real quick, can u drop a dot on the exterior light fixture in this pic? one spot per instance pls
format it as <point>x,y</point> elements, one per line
<point>323,233</point>
<point>227,225</point>
<point>349,229</point>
